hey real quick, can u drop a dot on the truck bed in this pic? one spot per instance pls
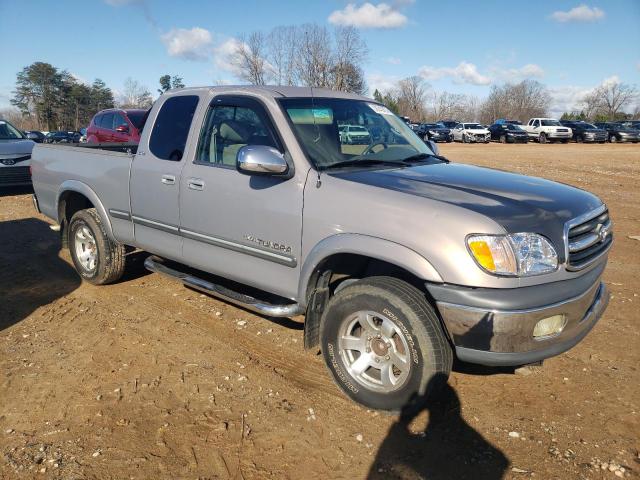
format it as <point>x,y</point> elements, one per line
<point>102,168</point>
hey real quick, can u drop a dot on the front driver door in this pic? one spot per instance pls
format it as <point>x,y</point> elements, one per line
<point>155,177</point>
<point>244,227</point>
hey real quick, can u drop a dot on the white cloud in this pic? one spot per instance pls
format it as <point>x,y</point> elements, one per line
<point>582,13</point>
<point>223,53</point>
<point>192,44</point>
<point>569,97</point>
<point>382,83</point>
<point>530,70</point>
<point>368,15</point>
<point>464,72</point>
<point>393,60</point>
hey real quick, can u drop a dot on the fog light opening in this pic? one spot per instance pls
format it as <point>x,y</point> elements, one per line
<point>549,327</point>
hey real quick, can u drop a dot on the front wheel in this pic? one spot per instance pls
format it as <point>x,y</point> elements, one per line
<point>613,139</point>
<point>542,138</point>
<point>97,258</point>
<point>383,344</point>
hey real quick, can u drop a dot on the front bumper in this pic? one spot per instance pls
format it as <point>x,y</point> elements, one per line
<point>629,138</point>
<point>559,135</point>
<point>495,336</point>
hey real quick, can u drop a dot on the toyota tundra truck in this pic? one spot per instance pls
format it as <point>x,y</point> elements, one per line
<point>398,258</point>
<point>543,130</point>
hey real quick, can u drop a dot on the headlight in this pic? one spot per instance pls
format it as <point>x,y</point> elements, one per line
<point>432,132</point>
<point>516,254</point>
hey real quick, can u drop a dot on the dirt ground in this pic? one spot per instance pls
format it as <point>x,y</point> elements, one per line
<point>146,379</point>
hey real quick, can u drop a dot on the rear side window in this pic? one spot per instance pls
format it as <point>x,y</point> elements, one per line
<point>171,128</point>
<point>97,120</point>
<point>107,121</point>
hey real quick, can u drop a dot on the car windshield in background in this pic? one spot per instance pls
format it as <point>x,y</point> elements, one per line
<point>516,128</point>
<point>137,118</point>
<point>9,132</point>
<point>550,123</point>
<point>390,141</point>
<point>434,125</point>
<point>586,125</point>
<point>472,126</point>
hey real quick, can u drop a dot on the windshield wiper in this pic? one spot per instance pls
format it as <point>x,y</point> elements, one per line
<point>418,157</point>
<point>370,162</point>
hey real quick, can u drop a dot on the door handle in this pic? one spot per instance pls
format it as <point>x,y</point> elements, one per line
<point>196,184</point>
<point>168,179</point>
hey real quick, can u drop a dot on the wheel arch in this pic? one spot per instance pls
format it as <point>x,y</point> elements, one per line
<point>74,196</point>
<point>361,248</point>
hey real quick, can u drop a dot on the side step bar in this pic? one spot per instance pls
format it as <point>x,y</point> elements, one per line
<point>157,265</point>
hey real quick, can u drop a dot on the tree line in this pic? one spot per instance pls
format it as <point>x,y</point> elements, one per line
<point>48,98</point>
<point>414,98</point>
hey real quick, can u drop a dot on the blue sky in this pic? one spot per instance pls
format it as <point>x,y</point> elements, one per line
<point>459,46</point>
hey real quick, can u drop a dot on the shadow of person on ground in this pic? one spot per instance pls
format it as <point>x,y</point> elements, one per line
<point>31,272</point>
<point>448,448</point>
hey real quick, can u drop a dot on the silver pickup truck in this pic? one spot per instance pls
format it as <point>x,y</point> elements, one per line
<point>398,258</point>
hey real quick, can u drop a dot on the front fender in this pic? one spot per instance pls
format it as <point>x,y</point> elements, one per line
<point>87,191</point>
<point>373,247</point>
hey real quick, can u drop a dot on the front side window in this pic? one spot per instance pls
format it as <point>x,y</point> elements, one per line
<point>536,123</point>
<point>374,135</point>
<point>171,128</point>
<point>228,128</point>
<point>119,121</point>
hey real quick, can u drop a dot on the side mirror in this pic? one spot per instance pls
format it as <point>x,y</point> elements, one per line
<point>261,160</point>
<point>122,129</point>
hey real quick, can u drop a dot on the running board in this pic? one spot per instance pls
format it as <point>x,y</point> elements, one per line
<point>157,265</point>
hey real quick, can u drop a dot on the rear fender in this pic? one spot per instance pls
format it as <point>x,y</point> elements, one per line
<point>84,189</point>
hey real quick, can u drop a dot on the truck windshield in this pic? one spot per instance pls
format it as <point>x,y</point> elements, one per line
<point>9,132</point>
<point>316,123</point>
<point>550,123</point>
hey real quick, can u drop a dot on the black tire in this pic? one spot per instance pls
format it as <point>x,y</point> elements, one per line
<point>542,138</point>
<point>416,326</point>
<point>503,139</point>
<point>464,138</point>
<point>613,139</point>
<point>579,139</point>
<point>110,256</point>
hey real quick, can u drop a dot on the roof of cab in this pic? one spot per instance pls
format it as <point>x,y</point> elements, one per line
<point>274,91</point>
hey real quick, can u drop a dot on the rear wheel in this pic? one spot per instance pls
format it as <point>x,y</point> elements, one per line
<point>383,344</point>
<point>97,258</point>
<point>542,138</point>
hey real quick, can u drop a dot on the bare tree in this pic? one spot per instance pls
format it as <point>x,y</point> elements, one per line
<point>282,45</point>
<point>411,97</point>
<point>249,59</point>
<point>315,59</point>
<point>350,52</point>
<point>609,100</point>
<point>446,105</point>
<point>521,101</point>
<point>135,95</point>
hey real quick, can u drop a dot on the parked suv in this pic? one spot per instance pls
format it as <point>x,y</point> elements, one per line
<point>544,130</point>
<point>15,156</point>
<point>585,132</point>
<point>62,136</point>
<point>116,126</point>
<point>618,132</point>
<point>354,134</point>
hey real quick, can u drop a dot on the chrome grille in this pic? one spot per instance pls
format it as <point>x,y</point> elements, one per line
<point>588,238</point>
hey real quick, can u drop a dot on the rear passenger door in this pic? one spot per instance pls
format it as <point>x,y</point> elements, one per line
<point>105,133</point>
<point>243,227</point>
<point>155,177</point>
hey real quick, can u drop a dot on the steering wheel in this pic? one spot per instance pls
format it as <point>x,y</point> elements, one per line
<point>369,149</point>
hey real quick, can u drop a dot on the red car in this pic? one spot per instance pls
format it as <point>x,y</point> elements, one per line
<point>116,126</point>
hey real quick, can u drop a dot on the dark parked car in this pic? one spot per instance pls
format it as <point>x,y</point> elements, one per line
<point>62,136</point>
<point>585,132</point>
<point>508,133</point>
<point>116,126</point>
<point>35,135</point>
<point>450,124</point>
<point>619,133</point>
<point>435,132</point>
<point>635,124</point>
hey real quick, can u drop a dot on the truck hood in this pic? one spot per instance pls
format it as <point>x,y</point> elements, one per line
<point>516,202</point>
<point>15,148</point>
